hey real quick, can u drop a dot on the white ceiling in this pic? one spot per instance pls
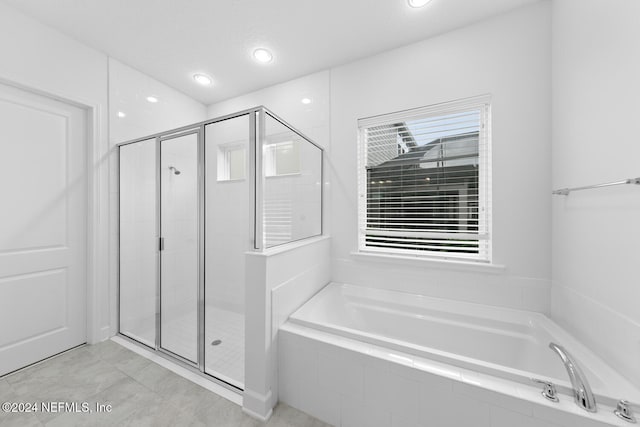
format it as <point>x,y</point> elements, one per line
<point>171,39</point>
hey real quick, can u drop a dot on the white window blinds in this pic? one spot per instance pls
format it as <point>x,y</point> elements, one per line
<point>424,181</point>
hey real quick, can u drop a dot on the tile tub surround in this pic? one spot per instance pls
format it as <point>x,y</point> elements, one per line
<point>142,393</point>
<point>348,383</point>
<point>500,342</point>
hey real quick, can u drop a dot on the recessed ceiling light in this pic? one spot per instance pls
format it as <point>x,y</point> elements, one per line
<point>152,99</point>
<point>306,101</point>
<point>203,79</point>
<point>262,55</point>
<point>418,3</point>
<point>121,114</point>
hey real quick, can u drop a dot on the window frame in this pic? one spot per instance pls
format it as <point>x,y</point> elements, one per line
<point>223,172</point>
<point>482,104</point>
<point>271,158</point>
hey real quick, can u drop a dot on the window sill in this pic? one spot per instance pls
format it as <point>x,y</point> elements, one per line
<point>223,181</point>
<point>286,247</point>
<point>446,264</point>
<point>283,175</point>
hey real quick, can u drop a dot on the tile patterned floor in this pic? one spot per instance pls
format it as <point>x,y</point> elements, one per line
<point>180,333</point>
<point>141,392</point>
<point>226,360</point>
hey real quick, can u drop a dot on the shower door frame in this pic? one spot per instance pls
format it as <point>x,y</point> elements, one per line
<point>199,132</point>
<point>257,117</point>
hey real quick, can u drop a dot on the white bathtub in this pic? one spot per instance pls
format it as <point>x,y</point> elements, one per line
<point>504,343</point>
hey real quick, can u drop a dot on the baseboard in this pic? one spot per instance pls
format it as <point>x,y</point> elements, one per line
<point>105,333</point>
<point>257,405</point>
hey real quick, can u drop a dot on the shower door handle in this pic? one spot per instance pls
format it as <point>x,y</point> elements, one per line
<point>161,244</point>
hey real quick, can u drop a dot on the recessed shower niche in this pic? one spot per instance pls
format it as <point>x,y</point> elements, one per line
<point>192,202</point>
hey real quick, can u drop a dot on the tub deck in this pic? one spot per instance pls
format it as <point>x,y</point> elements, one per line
<point>505,343</point>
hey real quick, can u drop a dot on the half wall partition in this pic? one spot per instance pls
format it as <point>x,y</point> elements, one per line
<point>192,202</point>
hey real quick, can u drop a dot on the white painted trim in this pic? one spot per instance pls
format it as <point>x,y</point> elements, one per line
<point>478,101</point>
<point>98,227</point>
<point>286,247</point>
<point>98,157</point>
<point>483,104</point>
<point>256,416</point>
<point>257,405</point>
<point>446,264</point>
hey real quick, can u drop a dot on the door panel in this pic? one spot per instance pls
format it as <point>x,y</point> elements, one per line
<point>42,227</point>
<point>179,257</point>
<point>36,143</point>
<point>42,295</point>
<point>138,241</point>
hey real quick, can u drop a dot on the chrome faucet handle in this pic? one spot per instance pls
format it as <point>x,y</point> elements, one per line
<point>548,389</point>
<point>623,411</point>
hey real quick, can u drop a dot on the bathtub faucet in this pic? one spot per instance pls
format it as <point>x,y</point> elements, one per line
<point>582,393</point>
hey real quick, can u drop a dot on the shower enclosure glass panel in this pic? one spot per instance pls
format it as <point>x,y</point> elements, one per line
<point>138,243</point>
<point>228,235</point>
<point>292,186</point>
<point>179,254</point>
<point>193,202</point>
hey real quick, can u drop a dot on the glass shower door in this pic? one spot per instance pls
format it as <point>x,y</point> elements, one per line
<point>228,235</point>
<point>192,204</point>
<point>179,246</point>
<point>138,241</point>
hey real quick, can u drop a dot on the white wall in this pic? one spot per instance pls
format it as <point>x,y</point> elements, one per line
<point>41,59</point>
<point>595,291</point>
<point>279,281</point>
<point>507,57</point>
<point>128,90</point>
<point>285,101</point>
<point>313,120</point>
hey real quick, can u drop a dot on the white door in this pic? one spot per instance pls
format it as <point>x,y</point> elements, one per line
<point>43,210</point>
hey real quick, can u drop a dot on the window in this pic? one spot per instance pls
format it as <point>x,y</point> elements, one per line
<point>424,181</point>
<point>232,162</point>
<point>282,158</point>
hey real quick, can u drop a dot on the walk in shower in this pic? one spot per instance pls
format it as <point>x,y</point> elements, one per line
<point>192,202</point>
